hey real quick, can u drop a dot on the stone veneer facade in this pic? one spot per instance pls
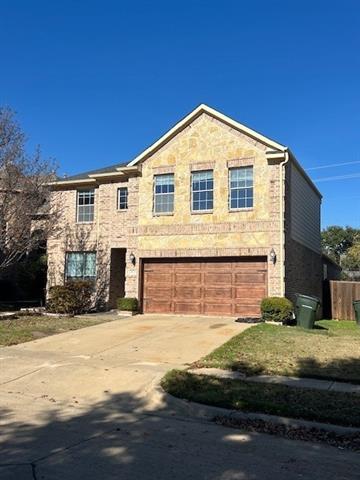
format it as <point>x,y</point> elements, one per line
<point>206,143</point>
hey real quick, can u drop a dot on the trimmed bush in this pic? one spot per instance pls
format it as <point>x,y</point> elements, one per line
<point>73,298</point>
<point>128,304</point>
<point>276,309</point>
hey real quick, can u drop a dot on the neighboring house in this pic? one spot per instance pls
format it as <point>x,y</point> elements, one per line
<point>208,220</point>
<point>23,213</point>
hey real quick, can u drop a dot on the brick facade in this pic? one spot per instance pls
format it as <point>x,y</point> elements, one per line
<point>303,271</point>
<point>205,143</point>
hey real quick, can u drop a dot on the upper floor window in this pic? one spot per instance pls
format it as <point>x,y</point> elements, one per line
<point>85,205</point>
<point>80,266</point>
<point>202,191</point>
<point>164,193</point>
<point>241,185</point>
<point>122,198</point>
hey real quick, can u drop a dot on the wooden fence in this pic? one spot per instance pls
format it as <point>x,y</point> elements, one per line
<point>342,295</point>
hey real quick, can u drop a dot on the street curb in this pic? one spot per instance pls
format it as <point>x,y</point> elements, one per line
<point>207,412</point>
<point>293,382</point>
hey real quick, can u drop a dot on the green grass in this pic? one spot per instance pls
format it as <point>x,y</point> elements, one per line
<point>331,351</point>
<point>27,328</point>
<point>322,406</point>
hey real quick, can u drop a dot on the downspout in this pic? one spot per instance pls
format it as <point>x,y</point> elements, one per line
<point>282,223</point>
<point>97,243</point>
<point>97,218</point>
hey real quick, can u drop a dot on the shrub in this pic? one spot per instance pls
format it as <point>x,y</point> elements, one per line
<point>73,298</point>
<point>276,309</point>
<point>128,304</point>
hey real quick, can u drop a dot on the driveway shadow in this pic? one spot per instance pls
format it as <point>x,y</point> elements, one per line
<point>116,439</point>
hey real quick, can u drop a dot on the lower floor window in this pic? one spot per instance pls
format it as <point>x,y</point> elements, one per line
<point>80,265</point>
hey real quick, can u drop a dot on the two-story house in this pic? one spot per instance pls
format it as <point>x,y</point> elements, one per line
<point>208,220</point>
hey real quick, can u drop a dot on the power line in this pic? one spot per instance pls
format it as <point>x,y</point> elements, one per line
<point>337,177</point>
<point>333,165</point>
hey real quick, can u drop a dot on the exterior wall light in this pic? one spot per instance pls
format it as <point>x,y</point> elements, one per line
<point>132,258</point>
<point>272,256</point>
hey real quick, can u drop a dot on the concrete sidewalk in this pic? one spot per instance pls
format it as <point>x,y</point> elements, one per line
<point>81,405</point>
<point>296,382</point>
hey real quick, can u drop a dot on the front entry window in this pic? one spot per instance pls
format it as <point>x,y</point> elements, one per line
<point>80,266</point>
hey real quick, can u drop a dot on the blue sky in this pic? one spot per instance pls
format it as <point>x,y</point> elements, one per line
<point>95,82</point>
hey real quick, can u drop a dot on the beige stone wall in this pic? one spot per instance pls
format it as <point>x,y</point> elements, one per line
<point>206,143</point>
<point>209,144</point>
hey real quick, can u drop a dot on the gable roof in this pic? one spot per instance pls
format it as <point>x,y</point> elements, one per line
<point>275,150</point>
<point>271,144</point>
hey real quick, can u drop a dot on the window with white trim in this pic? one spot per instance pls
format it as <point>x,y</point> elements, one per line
<point>80,266</point>
<point>122,198</point>
<point>202,191</point>
<point>241,188</point>
<point>85,206</point>
<point>164,193</point>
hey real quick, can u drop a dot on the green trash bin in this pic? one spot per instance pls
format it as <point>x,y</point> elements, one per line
<point>306,308</point>
<point>356,304</point>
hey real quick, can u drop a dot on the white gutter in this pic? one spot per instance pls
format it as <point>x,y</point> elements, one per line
<point>282,223</point>
<point>72,182</point>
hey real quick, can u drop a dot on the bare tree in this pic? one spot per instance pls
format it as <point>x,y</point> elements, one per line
<point>80,240</point>
<point>26,217</point>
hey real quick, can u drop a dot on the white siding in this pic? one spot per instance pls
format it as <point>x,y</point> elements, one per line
<point>305,211</point>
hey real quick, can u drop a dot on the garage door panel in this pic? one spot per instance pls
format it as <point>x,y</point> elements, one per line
<point>181,292</point>
<point>187,278</point>
<point>186,267</point>
<point>219,266</point>
<point>157,306</point>
<point>246,291</point>
<point>188,308</point>
<point>211,278</point>
<point>232,286</point>
<point>247,310</point>
<point>246,301</point>
<point>218,308</point>
<point>247,278</point>
<point>252,266</point>
<point>217,292</point>
<point>154,278</point>
<point>158,266</point>
<point>158,292</point>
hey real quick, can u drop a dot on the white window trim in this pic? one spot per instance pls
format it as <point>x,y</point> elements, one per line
<point>199,212</point>
<point>118,199</point>
<point>77,207</point>
<point>160,214</point>
<point>239,209</point>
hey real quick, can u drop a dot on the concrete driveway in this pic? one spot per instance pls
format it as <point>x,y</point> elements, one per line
<point>82,405</point>
<point>84,366</point>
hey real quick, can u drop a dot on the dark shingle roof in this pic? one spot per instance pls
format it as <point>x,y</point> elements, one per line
<point>84,175</point>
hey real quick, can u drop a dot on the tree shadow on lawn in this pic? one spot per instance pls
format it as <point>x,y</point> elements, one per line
<point>115,438</point>
<point>340,370</point>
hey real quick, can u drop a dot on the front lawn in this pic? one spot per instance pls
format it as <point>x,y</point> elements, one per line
<point>24,329</point>
<point>331,351</point>
<point>322,406</point>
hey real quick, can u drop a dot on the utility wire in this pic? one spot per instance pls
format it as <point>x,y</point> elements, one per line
<point>333,165</point>
<point>337,177</point>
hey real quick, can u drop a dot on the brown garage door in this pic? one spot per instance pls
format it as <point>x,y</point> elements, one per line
<point>211,286</point>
